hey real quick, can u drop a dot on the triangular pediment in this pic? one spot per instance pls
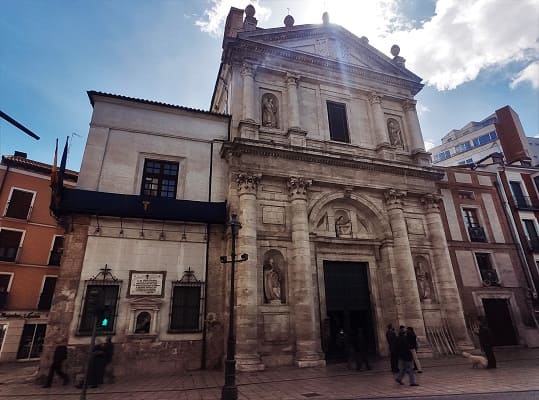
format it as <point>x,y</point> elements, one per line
<point>331,42</point>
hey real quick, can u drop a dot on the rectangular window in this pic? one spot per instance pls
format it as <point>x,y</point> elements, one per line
<point>5,279</point>
<point>20,204</point>
<point>3,331</point>
<point>462,147</point>
<point>45,299</point>
<point>111,293</point>
<point>186,313</point>
<point>531,233</point>
<point>520,200</point>
<point>338,124</point>
<point>32,338</point>
<point>444,155</point>
<point>160,178</point>
<point>484,139</point>
<point>475,230</point>
<point>486,270</point>
<point>9,244</point>
<point>57,249</point>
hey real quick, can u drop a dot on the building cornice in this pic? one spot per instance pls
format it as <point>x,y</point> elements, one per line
<point>242,146</point>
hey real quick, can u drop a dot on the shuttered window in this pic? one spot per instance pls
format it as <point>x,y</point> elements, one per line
<point>19,204</point>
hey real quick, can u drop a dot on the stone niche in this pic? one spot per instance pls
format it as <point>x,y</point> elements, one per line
<point>144,317</point>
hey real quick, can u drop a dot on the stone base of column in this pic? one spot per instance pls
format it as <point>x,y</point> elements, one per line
<point>248,129</point>
<point>421,157</point>
<point>309,360</point>
<point>297,137</point>
<point>385,151</point>
<point>249,363</point>
<point>464,345</point>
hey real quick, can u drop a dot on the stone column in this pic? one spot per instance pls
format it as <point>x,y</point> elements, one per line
<point>412,123</point>
<point>444,275</point>
<point>296,135</point>
<point>247,357</point>
<point>379,120</point>
<point>248,126</point>
<point>406,293</point>
<point>308,349</point>
<point>63,306</point>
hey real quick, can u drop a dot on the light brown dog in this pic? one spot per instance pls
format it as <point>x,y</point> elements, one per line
<point>477,361</point>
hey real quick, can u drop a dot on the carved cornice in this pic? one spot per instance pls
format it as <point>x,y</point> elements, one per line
<point>431,202</point>
<point>310,155</point>
<point>394,197</point>
<point>298,186</point>
<point>409,105</point>
<point>249,49</point>
<point>247,183</point>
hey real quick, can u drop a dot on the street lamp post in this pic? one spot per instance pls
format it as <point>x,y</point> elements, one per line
<point>230,390</point>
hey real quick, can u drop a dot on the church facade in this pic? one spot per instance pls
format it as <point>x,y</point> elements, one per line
<point>313,141</point>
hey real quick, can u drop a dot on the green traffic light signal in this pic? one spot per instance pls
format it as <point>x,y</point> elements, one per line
<point>105,322</point>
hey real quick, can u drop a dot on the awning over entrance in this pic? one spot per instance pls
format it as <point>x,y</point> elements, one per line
<point>76,201</point>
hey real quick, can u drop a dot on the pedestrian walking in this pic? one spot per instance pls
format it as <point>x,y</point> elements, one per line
<point>108,353</point>
<point>412,339</point>
<point>391,338</point>
<point>406,360</point>
<point>361,350</point>
<point>485,340</point>
<point>60,355</point>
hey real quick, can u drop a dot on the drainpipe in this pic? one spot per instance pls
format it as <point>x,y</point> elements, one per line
<point>516,239</point>
<point>204,323</point>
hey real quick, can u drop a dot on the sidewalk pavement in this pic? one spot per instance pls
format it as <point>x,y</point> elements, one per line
<point>518,370</point>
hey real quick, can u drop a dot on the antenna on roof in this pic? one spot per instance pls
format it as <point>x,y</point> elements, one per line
<point>18,125</point>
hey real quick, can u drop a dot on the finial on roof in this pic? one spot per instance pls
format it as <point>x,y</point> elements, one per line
<point>250,11</point>
<point>289,21</point>
<point>398,60</point>
<point>325,18</point>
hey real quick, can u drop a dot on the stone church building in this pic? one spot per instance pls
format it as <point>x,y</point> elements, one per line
<point>313,140</point>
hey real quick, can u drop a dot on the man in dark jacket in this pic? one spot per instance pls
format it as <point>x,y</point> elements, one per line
<point>406,360</point>
<point>485,340</point>
<point>391,338</point>
<point>60,355</point>
<point>108,352</point>
<point>361,350</point>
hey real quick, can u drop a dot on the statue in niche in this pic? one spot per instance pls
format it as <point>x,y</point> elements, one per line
<point>343,224</point>
<point>272,282</point>
<point>394,132</point>
<point>142,324</point>
<point>270,111</point>
<point>424,281</point>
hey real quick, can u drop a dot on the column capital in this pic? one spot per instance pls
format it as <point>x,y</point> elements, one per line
<point>394,197</point>
<point>375,98</point>
<point>247,183</point>
<point>292,79</point>
<point>297,187</point>
<point>431,202</point>
<point>409,105</point>
<point>247,69</point>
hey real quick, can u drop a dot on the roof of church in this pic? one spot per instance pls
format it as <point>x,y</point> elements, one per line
<point>92,94</point>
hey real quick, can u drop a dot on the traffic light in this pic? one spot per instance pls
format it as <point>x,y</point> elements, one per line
<point>103,317</point>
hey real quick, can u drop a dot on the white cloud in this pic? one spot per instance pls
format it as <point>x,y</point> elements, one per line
<point>214,18</point>
<point>461,39</point>
<point>530,73</point>
<point>422,110</point>
<point>429,145</point>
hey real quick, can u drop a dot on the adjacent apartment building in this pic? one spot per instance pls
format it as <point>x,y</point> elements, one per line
<point>31,245</point>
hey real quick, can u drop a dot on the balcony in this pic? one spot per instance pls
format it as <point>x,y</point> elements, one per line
<point>533,245</point>
<point>524,203</point>
<point>477,234</point>
<point>489,277</point>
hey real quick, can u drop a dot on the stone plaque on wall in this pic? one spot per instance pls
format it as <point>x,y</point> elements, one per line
<point>146,283</point>
<point>276,327</point>
<point>415,226</point>
<point>273,215</point>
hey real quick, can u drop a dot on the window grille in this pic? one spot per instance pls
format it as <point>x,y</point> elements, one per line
<point>186,310</point>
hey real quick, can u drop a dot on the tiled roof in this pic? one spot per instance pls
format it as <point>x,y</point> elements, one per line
<point>93,93</point>
<point>36,166</point>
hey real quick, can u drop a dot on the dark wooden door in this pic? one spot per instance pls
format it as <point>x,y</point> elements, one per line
<point>500,322</point>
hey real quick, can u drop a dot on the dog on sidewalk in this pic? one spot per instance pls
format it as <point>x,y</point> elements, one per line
<point>477,361</point>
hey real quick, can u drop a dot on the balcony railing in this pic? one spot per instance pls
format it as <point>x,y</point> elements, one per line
<point>525,203</point>
<point>477,234</point>
<point>533,245</point>
<point>489,277</point>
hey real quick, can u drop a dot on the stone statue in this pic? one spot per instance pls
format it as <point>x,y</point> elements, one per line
<point>272,283</point>
<point>395,133</point>
<point>269,111</point>
<point>143,322</point>
<point>423,281</point>
<point>343,225</point>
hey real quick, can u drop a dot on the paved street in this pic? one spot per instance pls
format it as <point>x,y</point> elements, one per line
<point>517,378</point>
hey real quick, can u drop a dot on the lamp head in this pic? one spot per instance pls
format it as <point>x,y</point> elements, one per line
<point>244,257</point>
<point>223,259</point>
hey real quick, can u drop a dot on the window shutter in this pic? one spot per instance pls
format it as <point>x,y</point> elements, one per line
<point>19,204</point>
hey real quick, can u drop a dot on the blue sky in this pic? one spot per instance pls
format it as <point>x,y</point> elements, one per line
<point>474,55</point>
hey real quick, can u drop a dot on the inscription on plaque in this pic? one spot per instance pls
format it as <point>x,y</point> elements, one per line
<point>146,283</point>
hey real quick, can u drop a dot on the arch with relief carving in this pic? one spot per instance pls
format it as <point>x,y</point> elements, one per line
<point>374,223</point>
